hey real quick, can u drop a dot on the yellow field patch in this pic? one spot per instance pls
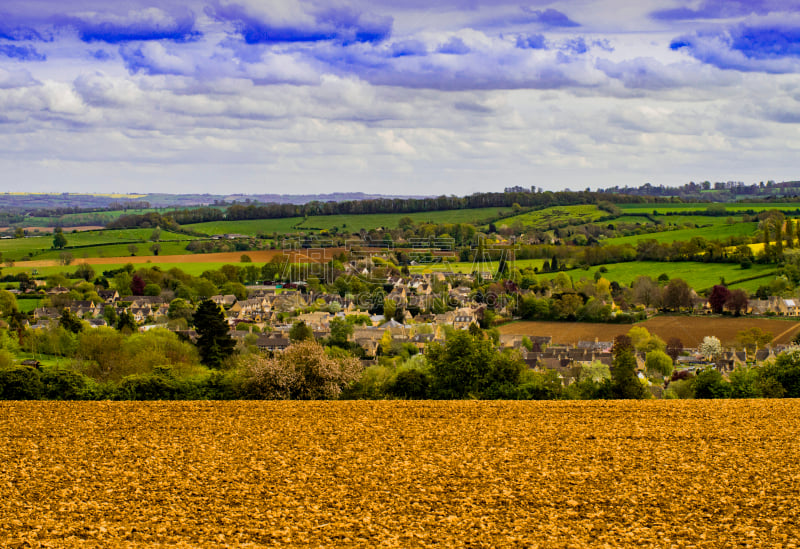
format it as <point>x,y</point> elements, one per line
<point>107,195</point>
<point>400,474</point>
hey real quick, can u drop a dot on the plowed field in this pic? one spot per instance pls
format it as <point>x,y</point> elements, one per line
<point>400,474</point>
<point>689,329</point>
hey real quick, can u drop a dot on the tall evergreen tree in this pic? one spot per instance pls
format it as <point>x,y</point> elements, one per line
<point>214,342</point>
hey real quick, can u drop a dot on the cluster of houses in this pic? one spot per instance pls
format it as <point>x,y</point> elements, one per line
<point>274,310</point>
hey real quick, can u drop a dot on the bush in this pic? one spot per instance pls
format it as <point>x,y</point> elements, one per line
<point>412,384</point>
<point>64,384</point>
<point>709,384</point>
<point>148,387</point>
<point>20,383</point>
<point>682,388</point>
<point>303,371</point>
<point>220,386</point>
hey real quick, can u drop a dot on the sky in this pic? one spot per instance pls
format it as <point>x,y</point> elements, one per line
<point>395,97</point>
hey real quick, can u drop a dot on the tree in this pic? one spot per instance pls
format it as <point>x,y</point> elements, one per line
<point>719,296</point>
<point>137,285</point>
<point>660,362</point>
<point>709,384</point>
<point>126,322</point>
<point>784,373</point>
<point>70,322</point>
<point>214,339</point>
<point>8,303</point>
<point>304,371</point>
<point>674,348</point>
<point>737,302</point>
<point>65,258</point>
<point>59,240</point>
<point>389,308</point>
<point>85,271</point>
<point>710,348</point>
<point>155,236</point>
<point>155,248</point>
<point>341,330</point>
<point>677,295</point>
<point>179,308</point>
<point>646,291</point>
<point>133,248</point>
<point>466,365</point>
<point>301,332</point>
<point>152,290</point>
<point>754,338</point>
<point>625,382</point>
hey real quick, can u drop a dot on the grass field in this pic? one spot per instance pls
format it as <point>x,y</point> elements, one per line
<point>541,219</point>
<point>352,223</point>
<point>690,330</point>
<point>696,207</point>
<point>16,248</point>
<point>469,267</point>
<point>702,474</point>
<point>715,232</point>
<point>698,275</point>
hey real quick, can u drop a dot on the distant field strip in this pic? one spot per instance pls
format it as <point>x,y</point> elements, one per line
<point>699,206</point>
<point>351,223</point>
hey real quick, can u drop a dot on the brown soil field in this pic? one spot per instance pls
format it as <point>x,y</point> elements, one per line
<point>258,256</point>
<point>400,474</point>
<point>690,330</point>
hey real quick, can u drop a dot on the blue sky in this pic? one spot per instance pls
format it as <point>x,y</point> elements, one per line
<point>297,96</point>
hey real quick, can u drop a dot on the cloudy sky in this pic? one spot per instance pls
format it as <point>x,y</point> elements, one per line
<point>395,97</point>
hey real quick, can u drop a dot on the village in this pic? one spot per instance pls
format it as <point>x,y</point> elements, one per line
<point>267,315</point>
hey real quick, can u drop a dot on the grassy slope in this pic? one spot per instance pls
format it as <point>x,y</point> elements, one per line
<point>694,207</point>
<point>106,242</point>
<point>709,233</point>
<point>540,219</point>
<point>352,223</point>
<point>698,275</point>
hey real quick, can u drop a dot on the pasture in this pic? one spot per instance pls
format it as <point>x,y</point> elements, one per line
<point>351,223</point>
<point>700,207</point>
<point>698,275</point>
<point>702,474</point>
<point>556,215</point>
<point>714,232</point>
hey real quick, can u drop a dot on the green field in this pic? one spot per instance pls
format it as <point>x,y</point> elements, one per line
<point>351,223</point>
<point>542,219</point>
<point>194,269</point>
<point>716,232</point>
<point>631,219</point>
<point>78,219</point>
<point>699,206</point>
<point>700,276</point>
<point>466,267</point>
<point>92,243</point>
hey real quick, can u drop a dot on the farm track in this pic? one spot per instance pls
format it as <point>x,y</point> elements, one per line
<point>400,474</point>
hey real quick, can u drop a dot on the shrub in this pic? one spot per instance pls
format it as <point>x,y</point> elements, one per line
<point>709,384</point>
<point>64,384</point>
<point>681,388</point>
<point>20,383</point>
<point>148,387</point>
<point>412,383</point>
